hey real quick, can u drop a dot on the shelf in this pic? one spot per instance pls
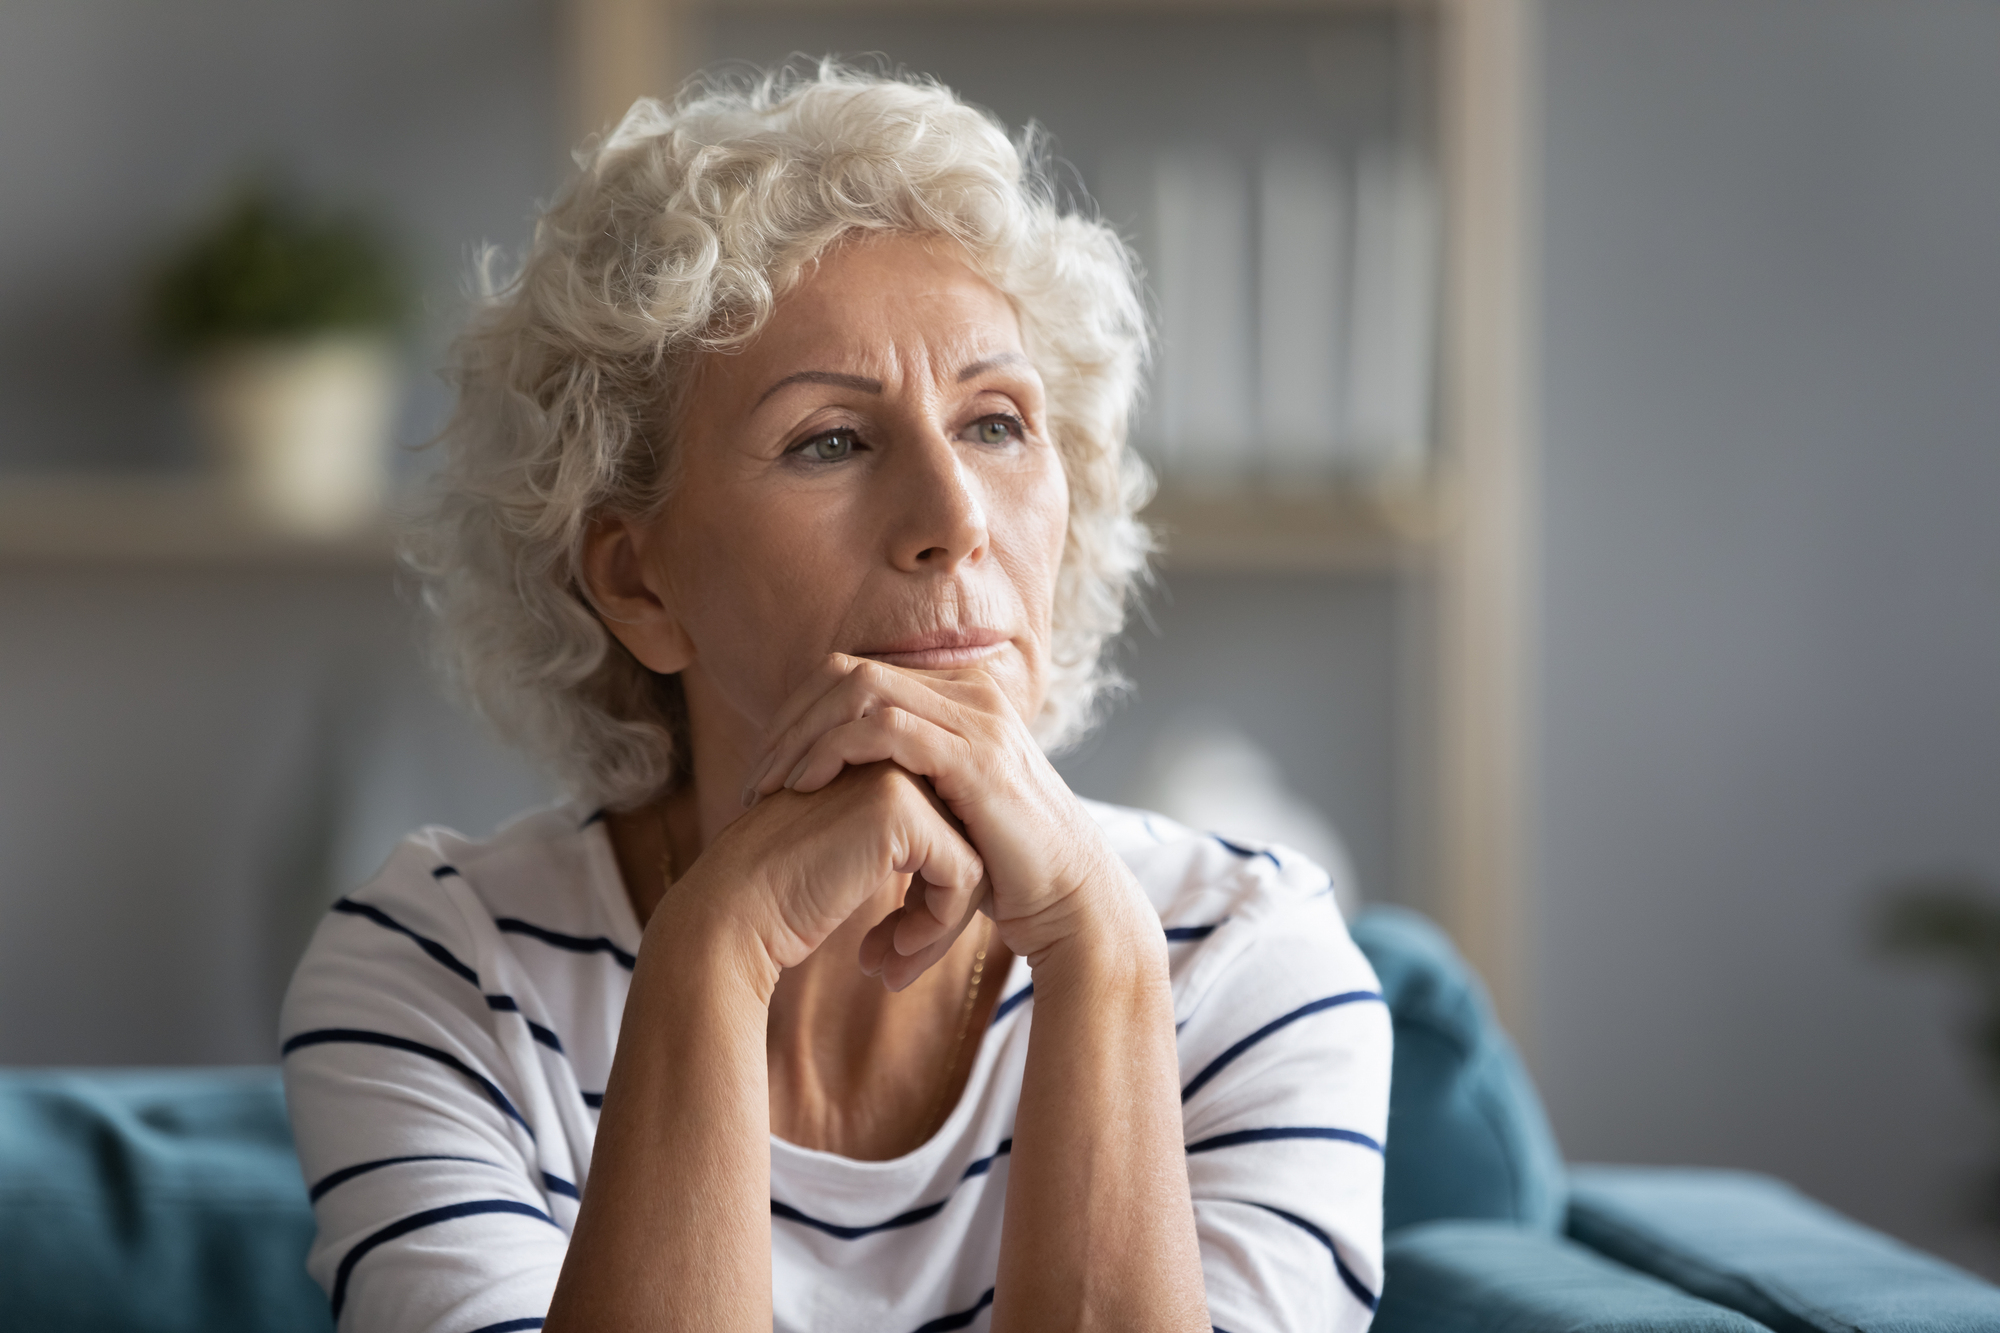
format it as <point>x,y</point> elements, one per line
<point>1323,529</point>
<point>163,520</point>
<point>194,521</point>
<point>1142,7</point>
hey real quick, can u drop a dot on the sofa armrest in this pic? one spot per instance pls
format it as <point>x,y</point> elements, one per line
<point>1757,1245</point>
<point>156,1200</point>
<point>1493,1277</point>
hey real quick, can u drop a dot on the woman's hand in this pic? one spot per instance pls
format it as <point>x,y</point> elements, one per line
<point>1047,868</point>
<point>1096,1200</point>
<point>796,867</point>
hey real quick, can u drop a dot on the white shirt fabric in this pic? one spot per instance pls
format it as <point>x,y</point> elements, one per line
<point>448,1036</point>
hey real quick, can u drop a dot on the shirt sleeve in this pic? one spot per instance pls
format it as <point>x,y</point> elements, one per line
<point>413,1120</point>
<point>1285,1055</point>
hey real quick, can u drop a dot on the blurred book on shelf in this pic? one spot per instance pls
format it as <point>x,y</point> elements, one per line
<point>1297,294</point>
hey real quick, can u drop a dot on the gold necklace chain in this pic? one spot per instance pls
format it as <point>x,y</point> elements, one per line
<point>933,1116</point>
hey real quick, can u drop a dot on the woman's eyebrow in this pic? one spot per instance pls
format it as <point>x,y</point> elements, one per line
<point>839,381</point>
<point>981,367</point>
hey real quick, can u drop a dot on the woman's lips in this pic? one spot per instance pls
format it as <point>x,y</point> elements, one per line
<point>941,651</point>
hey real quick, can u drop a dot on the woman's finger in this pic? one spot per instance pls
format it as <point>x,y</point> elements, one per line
<point>936,912</point>
<point>934,850</point>
<point>825,678</point>
<point>881,958</point>
<point>848,689</point>
<point>912,743</point>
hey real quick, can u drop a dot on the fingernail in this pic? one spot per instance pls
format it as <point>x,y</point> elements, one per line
<point>797,773</point>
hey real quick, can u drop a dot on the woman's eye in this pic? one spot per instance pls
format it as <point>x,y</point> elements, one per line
<point>829,448</point>
<point>997,430</point>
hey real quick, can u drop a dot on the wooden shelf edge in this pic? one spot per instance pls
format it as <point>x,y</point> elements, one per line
<point>164,522</point>
<point>1138,7</point>
<point>1318,529</point>
<point>170,521</point>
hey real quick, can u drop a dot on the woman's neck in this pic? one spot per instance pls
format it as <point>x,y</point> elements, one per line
<point>863,1073</point>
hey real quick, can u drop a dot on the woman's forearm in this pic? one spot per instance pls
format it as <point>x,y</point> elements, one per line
<point>674,1231</point>
<point>1099,1229</point>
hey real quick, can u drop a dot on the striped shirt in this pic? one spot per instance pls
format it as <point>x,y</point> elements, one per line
<point>448,1035</point>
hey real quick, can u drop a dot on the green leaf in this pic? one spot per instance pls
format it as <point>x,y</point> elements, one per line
<point>266,267</point>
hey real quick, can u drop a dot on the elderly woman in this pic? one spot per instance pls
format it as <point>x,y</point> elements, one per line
<point>787,512</point>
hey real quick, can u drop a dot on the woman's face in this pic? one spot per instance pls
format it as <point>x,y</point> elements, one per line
<point>872,475</point>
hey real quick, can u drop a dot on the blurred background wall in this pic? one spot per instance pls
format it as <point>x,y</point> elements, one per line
<point>1766,577</point>
<point>1770,581</point>
<point>197,755</point>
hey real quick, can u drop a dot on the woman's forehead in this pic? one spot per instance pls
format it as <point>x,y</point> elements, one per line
<point>882,309</point>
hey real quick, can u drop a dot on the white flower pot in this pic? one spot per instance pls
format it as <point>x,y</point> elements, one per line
<point>301,428</point>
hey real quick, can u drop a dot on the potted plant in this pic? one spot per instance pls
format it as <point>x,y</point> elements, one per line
<point>285,320</point>
<point>1953,920</point>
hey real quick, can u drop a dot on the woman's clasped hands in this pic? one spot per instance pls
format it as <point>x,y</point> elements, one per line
<point>934,754</point>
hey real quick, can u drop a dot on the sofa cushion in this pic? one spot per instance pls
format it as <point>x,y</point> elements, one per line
<point>156,1200</point>
<point>1467,1134</point>
<point>1494,1277</point>
<point>1759,1246</point>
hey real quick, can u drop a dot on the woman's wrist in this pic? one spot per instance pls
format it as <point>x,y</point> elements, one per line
<point>701,934</point>
<point>1102,932</point>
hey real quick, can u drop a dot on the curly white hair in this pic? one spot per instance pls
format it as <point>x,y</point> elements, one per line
<point>681,230</point>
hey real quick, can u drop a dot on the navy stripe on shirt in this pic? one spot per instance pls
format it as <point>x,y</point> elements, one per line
<point>503,1003</point>
<point>416,1222</point>
<point>507,1004</point>
<point>911,1218</point>
<point>1249,853</point>
<point>574,943</point>
<point>985,1164</point>
<point>1354,1284</point>
<point>1282,1132</point>
<point>557,1185</point>
<point>839,1232</point>
<point>959,1320</point>
<point>512,1325</point>
<point>347,1173</point>
<point>1216,1065</point>
<point>594,1100</point>
<point>363,1037</point>
<point>1175,934</point>
<point>428,945</point>
<point>1011,1003</point>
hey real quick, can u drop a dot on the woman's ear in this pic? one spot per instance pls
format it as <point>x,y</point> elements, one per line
<point>626,599</point>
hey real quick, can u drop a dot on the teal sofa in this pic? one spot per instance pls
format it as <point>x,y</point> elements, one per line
<point>169,1200</point>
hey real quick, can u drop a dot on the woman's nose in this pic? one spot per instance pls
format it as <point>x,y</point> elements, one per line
<point>941,517</point>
